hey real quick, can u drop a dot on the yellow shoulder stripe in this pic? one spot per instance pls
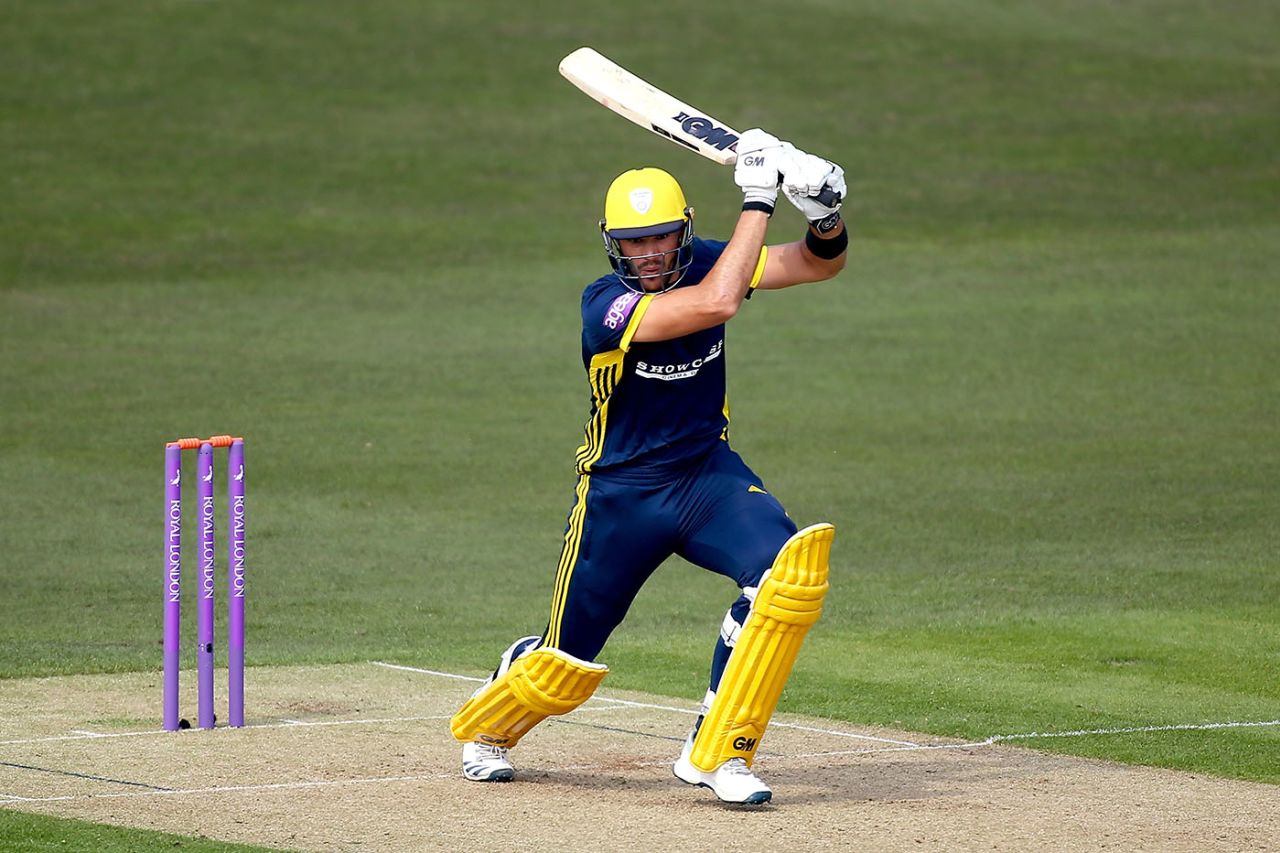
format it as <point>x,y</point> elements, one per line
<point>636,316</point>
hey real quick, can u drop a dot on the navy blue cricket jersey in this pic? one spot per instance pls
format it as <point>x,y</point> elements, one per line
<point>653,404</point>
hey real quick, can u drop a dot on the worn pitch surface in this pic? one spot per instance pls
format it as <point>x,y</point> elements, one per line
<point>359,757</point>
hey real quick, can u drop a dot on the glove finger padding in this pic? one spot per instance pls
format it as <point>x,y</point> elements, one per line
<point>806,174</point>
<point>815,186</point>
<point>813,209</point>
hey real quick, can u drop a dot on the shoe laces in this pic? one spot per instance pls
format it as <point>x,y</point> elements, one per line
<point>488,750</point>
<point>736,767</point>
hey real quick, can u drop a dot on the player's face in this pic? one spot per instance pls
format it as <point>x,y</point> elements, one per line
<point>652,258</point>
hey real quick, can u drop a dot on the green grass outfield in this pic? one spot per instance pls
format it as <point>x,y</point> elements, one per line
<point>1041,404</point>
<point>30,833</point>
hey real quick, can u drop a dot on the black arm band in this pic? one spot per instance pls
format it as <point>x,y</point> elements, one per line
<point>827,249</point>
<point>766,209</point>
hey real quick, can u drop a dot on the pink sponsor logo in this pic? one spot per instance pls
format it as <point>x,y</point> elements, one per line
<point>620,309</point>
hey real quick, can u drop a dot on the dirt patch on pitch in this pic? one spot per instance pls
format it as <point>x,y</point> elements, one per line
<point>359,758</point>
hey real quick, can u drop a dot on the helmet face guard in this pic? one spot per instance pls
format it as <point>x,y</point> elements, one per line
<point>626,266</point>
<point>647,203</point>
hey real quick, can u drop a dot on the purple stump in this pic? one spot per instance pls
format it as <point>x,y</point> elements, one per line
<point>204,598</point>
<point>235,584</point>
<point>172,581</point>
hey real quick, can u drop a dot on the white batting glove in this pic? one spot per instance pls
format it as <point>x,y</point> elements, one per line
<point>813,185</point>
<point>759,163</point>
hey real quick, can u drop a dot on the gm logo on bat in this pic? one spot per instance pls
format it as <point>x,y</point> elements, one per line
<point>701,127</point>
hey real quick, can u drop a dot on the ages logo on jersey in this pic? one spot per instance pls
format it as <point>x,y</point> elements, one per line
<point>620,309</point>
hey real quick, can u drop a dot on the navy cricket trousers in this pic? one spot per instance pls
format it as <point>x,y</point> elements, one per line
<point>715,513</point>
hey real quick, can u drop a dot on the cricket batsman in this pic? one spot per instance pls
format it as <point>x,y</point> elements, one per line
<point>656,475</point>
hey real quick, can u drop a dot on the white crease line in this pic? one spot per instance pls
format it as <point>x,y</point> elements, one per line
<point>276,786</point>
<point>325,783</point>
<point>994,739</point>
<point>54,738</point>
<point>845,734</point>
<point>1179,727</point>
<point>916,747</point>
<point>780,725</point>
<point>427,671</point>
<point>293,723</point>
<point>284,724</point>
<point>86,733</point>
<point>228,789</point>
<point>692,712</point>
<point>688,711</point>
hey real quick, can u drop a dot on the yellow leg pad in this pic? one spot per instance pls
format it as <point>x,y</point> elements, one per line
<point>543,683</point>
<point>789,601</point>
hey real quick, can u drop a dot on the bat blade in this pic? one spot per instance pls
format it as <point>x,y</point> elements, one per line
<point>648,106</point>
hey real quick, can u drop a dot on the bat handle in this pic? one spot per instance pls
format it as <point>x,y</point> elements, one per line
<point>829,197</point>
<point>826,196</point>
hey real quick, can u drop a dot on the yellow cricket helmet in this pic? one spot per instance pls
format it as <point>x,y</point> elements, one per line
<point>645,203</point>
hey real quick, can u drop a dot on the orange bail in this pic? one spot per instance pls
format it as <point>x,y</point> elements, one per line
<point>213,441</point>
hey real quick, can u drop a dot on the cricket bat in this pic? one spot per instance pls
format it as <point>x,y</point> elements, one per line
<point>653,109</point>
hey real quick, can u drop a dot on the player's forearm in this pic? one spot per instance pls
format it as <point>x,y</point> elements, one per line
<point>825,252</point>
<point>727,283</point>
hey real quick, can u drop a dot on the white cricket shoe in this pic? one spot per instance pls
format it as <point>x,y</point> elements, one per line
<point>732,782</point>
<point>483,762</point>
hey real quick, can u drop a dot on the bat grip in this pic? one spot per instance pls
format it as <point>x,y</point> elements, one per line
<point>826,196</point>
<point>829,197</point>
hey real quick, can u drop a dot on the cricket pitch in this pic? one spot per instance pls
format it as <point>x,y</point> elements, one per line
<point>358,757</point>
